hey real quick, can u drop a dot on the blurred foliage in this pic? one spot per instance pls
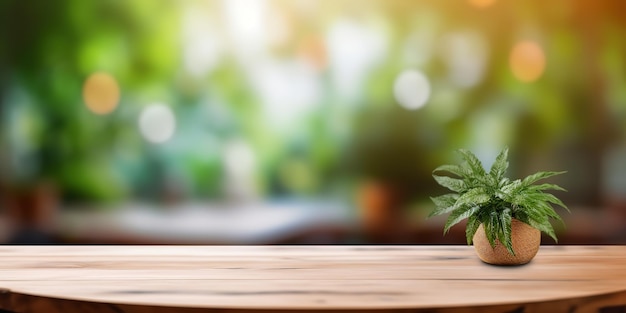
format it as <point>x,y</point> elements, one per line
<point>309,87</point>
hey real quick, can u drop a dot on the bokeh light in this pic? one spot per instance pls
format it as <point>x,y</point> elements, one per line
<point>248,26</point>
<point>354,48</point>
<point>466,56</point>
<point>101,93</point>
<point>240,162</point>
<point>288,90</point>
<point>482,3</point>
<point>202,45</point>
<point>411,89</point>
<point>313,49</point>
<point>239,158</point>
<point>527,61</point>
<point>157,123</point>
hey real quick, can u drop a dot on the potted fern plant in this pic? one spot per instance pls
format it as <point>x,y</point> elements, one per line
<point>505,217</point>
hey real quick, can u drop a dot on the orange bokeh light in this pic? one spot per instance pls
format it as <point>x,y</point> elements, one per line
<point>314,50</point>
<point>527,61</point>
<point>481,3</point>
<point>101,93</point>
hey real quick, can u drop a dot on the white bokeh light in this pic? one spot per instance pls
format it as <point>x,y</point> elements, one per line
<point>411,89</point>
<point>354,49</point>
<point>247,25</point>
<point>239,170</point>
<point>239,159</point>
<point>202,44</point>
<point>288,89</point>
<point>465,54</point>
<point>157,123</point>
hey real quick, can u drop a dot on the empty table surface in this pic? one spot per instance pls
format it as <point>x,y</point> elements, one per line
<point>306,278</point>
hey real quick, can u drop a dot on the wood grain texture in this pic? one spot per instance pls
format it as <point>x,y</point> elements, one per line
<point>306,278</point>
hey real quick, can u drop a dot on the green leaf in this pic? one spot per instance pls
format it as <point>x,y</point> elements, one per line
<point>546,197</point>
<point>458,215</point>
<point>543,209</point>
<point>545,227</point>
<point>538,201</point>
<point>452,169</point>
<point>475,196</point>
<point>491,228</point>
<point>473,222</point>
<point>445,204</point>
<point>474,164</point>
<point>445,200</point>
<point>547,210</point>
<point>453,184</point>
<point>508,191</point>
<point>500,166</point>
<point>546,187</point>
<point>505,230</point>
<point>538,221</point>
<point>530,179</point>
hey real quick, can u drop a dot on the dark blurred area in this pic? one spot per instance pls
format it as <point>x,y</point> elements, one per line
<point>308,122</point>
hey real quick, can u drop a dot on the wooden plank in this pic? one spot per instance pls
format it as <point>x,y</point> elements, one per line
<point>267,278</point>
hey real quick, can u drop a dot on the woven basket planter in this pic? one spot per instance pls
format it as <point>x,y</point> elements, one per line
<point>526,240</point>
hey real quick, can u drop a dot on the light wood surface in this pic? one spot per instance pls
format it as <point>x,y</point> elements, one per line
<point>269,278</point>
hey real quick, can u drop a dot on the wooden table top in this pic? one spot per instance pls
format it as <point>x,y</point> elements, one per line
<point>307,278</point>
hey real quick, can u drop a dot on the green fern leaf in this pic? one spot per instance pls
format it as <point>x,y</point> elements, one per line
<point>509,190</point>
<point>543,209</point>
<point>452,169</point>
<point>473,222</point>
<point>541,201</point>
<point>543,187</point>
<point>505,233</point>
<point>445,200</point>
<point>499,167</point>
<point>458,215</point>
<point>444,204</point>
<point>531,179</point>
<point>453,184</point>
<point>474,164</point>
<point>475,196</point>
<point>540,207</point>
<point>546,197</point>
<point>491,228</point>
<point>539,221</point>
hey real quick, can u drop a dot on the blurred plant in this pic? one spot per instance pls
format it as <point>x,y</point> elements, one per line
<point>391,145</point>
<point>53,48</point>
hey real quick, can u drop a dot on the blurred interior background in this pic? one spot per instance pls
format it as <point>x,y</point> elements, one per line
<point>300,121</point>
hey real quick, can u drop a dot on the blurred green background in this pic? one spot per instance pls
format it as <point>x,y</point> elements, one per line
<point>106,104</point>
